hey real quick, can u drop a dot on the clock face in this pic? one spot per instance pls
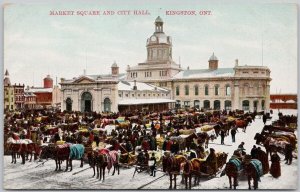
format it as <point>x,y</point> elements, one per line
<point>153,38</point>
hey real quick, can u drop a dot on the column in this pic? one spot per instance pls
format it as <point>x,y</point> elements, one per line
<point>267,102</point>
<point>222,104</point>
<point>236,95</point>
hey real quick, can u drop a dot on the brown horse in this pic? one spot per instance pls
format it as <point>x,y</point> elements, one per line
<point>191,168</point>
<point>63,152</point>
<point>102,159</point>
<point>240,123</point>
<point>253,170</point>
<point>232,169</point>
<point>172,165</point>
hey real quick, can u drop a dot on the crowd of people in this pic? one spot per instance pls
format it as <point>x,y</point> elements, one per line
<point>147,131</point>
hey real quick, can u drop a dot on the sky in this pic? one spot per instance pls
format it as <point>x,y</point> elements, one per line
<point>37,44</point>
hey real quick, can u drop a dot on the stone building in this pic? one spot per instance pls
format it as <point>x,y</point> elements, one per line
<point>91,92</point>
<point>214,87</point>
<point>239,87</point>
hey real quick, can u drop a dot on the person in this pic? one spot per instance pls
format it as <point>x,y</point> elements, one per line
<point>140,158</point>
<point>288,154</point>
<point>175,147</point>
<point>222,136</point>
<point>152,164</point>
<point>275,169</point>
<point>233,132</point>
<point>263,158</point>
<point>128,146</point>
<point>241,148</point>
<point>212,160</point>
<point>254,152</point>
<point>264,118</point>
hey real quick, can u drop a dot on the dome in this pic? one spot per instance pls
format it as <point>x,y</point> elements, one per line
<point>158,20</point>
<point>213,58</point>
<point>114,65</point>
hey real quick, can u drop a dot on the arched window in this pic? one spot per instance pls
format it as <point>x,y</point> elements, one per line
<point>217,105</point>
<point>263,104</point>
<point>227,90</point>
<point>206,90</point>
<point>107,105</point>
<point>69,104</point>
<point>177,90</point>
<point>216,89</point>
<point>186,90</point>
<point>197,104</point>
<point>86,102</point>
<point>227,105</point>
<point>196,90</point>
<point>245,105</point>
<point>206,104</point>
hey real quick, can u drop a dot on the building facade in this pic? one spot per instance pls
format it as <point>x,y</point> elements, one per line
<point>19,96</point>
<point>214,87</point>
<point>239,87</point>
<point>90,93</point>
<point>9,93</point>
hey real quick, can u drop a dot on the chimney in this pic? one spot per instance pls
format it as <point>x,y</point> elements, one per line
<point>134,86</point>
<point>236,62</point>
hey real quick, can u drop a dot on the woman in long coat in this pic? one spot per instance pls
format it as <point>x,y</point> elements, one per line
<point>275,170</point>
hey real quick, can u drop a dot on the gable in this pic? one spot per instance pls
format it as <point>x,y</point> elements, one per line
<point>83,80</point>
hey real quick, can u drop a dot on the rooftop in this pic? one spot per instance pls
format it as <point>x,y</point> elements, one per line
<point>200,73</point>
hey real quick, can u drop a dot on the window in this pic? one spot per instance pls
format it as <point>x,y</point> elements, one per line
<point>144,95</point>
<point>126,95</point>
<point>206,89</point>
<point>227,90</point>
<point>132,95</point>
<point>245,106</point>
<point>186,104</point>
<point>186,88</point>
<point>120,95</point>
<point>177,90</point>
<point>177,104</point>
<point>196,90</point>
<point>216,89</point>
<point>263,104</point>
<point>139,95</point>
<point>206,104</point>
<point>197,104</point>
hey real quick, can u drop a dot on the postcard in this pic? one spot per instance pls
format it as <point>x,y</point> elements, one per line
<point>150,95</point>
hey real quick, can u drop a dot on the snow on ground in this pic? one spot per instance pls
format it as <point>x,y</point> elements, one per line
<point>29,176</point>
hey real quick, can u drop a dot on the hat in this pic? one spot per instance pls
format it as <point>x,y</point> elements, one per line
<point>211,149</point>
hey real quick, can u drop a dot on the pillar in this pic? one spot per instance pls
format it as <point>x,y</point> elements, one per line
<point>267,101</point>
<point>236,96</point>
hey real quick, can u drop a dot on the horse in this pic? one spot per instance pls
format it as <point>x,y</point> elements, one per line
<point>19,147</point>
<point>63,152</point>
<point>191,168</point>
<point>172,165</point>
<point>232,169</point>
<point>240,123</point>
<point>102,159</point>
<point>253,170</point>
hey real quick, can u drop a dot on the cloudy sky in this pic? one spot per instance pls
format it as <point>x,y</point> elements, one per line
<point>37,44</point>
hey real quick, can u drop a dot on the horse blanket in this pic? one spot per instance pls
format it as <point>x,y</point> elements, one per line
<point>258,167</point>
<point>76,151</point>
<point>63,151</point>
<point>237,163</point>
